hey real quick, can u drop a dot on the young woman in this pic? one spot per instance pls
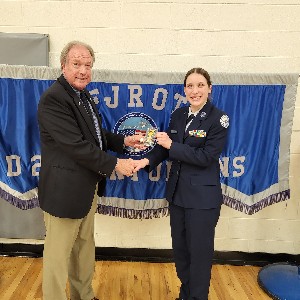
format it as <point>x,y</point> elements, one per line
<point>193,142</point>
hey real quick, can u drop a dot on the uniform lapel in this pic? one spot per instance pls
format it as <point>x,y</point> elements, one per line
<point>201,116</point>
<point>181,121</point>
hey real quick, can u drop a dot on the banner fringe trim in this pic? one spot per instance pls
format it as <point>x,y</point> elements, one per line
<point>250,210</point>
<point>19,203</point>
<point>159,212</point>
<point>132,213</point>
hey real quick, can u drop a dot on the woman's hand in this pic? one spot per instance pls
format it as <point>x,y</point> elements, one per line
<point>163,139</point>
<point>139,164</point>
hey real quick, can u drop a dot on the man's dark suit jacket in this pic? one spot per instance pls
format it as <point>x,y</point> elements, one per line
<point>194,179</point>
<point>72,162</point>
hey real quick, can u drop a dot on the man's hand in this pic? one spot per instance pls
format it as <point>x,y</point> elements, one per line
<point>140,164</point>
<point>135,141</point>
<point>125,166</point>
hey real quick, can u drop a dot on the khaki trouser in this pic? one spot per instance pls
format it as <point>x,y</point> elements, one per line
<point>69,251</point>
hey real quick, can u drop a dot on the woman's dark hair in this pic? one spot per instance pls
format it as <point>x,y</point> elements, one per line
<point>198,71</point>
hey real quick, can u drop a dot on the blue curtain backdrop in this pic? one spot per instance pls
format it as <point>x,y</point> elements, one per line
<point>254,163</point>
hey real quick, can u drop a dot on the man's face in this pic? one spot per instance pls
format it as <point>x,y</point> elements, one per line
<point>78,67</point>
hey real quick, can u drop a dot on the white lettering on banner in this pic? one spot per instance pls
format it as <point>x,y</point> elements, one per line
<point>35,166</point>
<point>224,166</point>
<point>116,175</point>
<point>135,93</point>
<point>152,175</point>
<point>134,177</point>
<point>13,162</point>
<point>237,170</point>
<point>14,165</point>
<point>164,93</point>
<point>115,102</point>
<point>180,99</point>
<point>135,96</point>
<point>237,164</point>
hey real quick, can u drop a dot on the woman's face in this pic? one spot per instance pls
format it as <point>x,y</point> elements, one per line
<point>197,90</point>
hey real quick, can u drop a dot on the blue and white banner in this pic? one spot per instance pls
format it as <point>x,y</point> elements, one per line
<point>254,164</point>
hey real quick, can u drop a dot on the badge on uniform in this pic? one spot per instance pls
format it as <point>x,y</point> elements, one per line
<point>197,133</point>
<point>224,121</point>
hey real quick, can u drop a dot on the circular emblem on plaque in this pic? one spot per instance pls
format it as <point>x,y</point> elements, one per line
<point>134,123</point>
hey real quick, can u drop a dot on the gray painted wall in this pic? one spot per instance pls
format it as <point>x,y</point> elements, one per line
<point>32,50</point>
<point>29,49</point>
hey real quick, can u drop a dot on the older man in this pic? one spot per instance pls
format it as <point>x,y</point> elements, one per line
<point>74,163</point>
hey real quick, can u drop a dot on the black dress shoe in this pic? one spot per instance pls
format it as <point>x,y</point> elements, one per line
<point>95,298</point>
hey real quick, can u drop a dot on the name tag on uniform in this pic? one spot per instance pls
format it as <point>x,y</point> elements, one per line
<point>197,133</point>
<point>174,131</point>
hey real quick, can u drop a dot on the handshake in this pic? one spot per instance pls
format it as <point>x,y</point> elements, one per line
<point>129,166</point>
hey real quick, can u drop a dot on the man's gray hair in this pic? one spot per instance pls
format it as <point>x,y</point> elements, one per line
<point>69,46</point>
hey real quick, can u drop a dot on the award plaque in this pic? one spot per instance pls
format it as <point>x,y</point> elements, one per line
<point>149,138</point>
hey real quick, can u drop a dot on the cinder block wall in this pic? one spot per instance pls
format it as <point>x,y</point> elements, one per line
<point>255,36</point>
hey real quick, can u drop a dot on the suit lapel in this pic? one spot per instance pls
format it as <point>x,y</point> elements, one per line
<point>79,105</point>
<point>99,118</point>
<point>201,116</point>
<point>88,119</point>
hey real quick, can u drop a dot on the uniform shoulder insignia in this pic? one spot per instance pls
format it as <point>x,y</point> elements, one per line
<point>224,121</point>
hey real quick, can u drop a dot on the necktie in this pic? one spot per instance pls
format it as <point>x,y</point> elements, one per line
<point>89,109</point>
<point>85,102</point>
<point>189,120</point>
